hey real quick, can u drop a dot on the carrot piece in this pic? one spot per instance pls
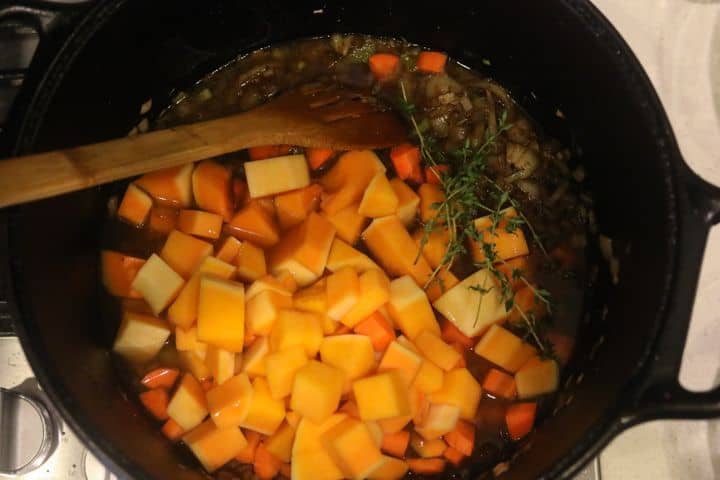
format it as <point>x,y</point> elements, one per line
<point>500,384</point>
<point>384,65</point>
<point>462,438</point>
<point>432,174</point>
<point>396,443</point>
<point>265,466</point>
<point>520,418</point>
<point>378,329</point>
<point>317,157</point>
<point>461,349</point>
<point>172,430</point>
<point>406,160</point>
<point>160,378</point>
<point>451,334</point>
<point>247,454</point>
<point>426,466</point>
<point>431,62</point>
<point>453,456</point>
<point>268,151</point>
<point>156,402</point>
<point>286,470</point>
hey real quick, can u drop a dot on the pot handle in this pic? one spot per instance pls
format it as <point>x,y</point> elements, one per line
<point>660,394</point>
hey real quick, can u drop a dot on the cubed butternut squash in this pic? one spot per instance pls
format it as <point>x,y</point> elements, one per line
<point>253,359</point>
<point>391,469</point>
<point>188,406</point>
<point>427,448</point>
<point>221,313</point>
<point>228,250</point>
<point>186,341</point>
<point>408,201</point>
<point>255,224</point>
<point>431,196</point>
<point>294,207</point>
<point>410,309</point>
<point>440,419</point>
<point>169,186</point>
<point>135,206</point>
<point>379,198</point>
<point>507,241</point>
<point>184,253</point>
<point>163,219</point>
<point>353,354</point>
<point>310,459</point>
<point>229,403</point>
<point>266,413</point>
<point>500,347</point>
<point>381,396</point>
<point>200,223</point>
<point>316,391</point>
<point>211,186</point>
<point>435,244</point>
<point>343,255</point>
<point>429,378</point>
<point>461,389</point>
<point>343,292</point>
<point>401,359</point>
<point>537,377</point>
<point>194,362</point>
<point>281,368</point>
<point>294,328</point>
<point>262,310</point>
<point>348,223</point>
<point>352,448</point>
<point>250,262</point>
<point>312,298</point>
<point>437,351</point>
<point>118,272</point>
<point>279,444</point>
<point>157,283</point>
<point>276,175</point>
<point>221,364</point>
<point>140,337</point>
<point>214,446</point>
<point>347,180</point>
<point>374,293</point>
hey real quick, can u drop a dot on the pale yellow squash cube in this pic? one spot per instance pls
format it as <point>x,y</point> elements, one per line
<point>195,364</point>
<point>281,368</point>
<point>434,244</point>
<point>440,419</point>
<point>280,443</point>
<point>501,347</point>
<point>437,351</point>
<point>253,359</point>
<point>374,293</point>
<point>474,304</point>
<point>184,253</point>
<point>228,250</point>
<point>262,310</point>
<point>427,448</point>
<point>293,419</point>
<point>250,262</point>
<point>188,407</point>
<point>408,201</point>
<point>157,283</point>
<point>379,198</point>
<point>375,432</point>
<point>140,337</point>
<point>221,313</point>
<point>521,357</point>
<point>187,341</point>
<point>268,282</point>
<point>402,360</point>
<point>312,298</point>
<point>351,446</point>
<point>266,413</point>
<point>276,175</point>
<point>410,308</point>
<point>310,460</point>
<point>221,364</point>
<point>343,255</point>
<point>294,328</point>
<point>353,354</point>
<point>381,396</point>
<point>348,223</point>
<point>459,388</point>
<point>316,391</point>
<point>391,469</point>
<point>229,403</point>
<point>429,378</point>
<point>214,446</point>
<point>343,292</point>
<point>537,377</point>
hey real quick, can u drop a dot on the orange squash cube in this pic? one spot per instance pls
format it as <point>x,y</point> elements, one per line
<point>460,389</point>
<point>437,351</point>
<point>253,359</point>
<point>255,224</point>
<point>266,413</point>
<point>353,354</point>
<point>395,424</point>
<point>410,309</point>
<point>312,298</point>
<point>348,178</point>
<point>294,207</point>
<point>163,219</point>
<point>382,396</point>
<point>436,243</point>
<point>169,186</point>
<point>404,360</point>
<point>352,448</point>
<point>391,245</point>
<point>374,293</point>
<point>378,329</point>
<point>343,255</point>
<point>276,175</point>
<point>188,406</point>
<point>135,206</point>
<point>229,403</point>
<point>221,313</point>
<point>157,283</point>
<point>194,362</point>
<point>118,272</point>
<point>268,282</point>
<point>440,419</point>
<point>184,253</point>
<point>348,223</point>
<point>214,446</point>
<point>379,198</point>
<point>526,305</point>
<point>391,469</point>
<point>262,310</point>
<point>293,328</point>
<point>500,347</point>
<point>500,384</point>
<point>287,281</point>
<point>506,244</point>
<point>293,419</point>
<point>537,377</point>
<point>250,262</point>
<point>228,250</point>
<point>408,201</point>
<point>429,378</point>
<point>221,364</point>
<point>281,368</point>
<point>280,443</point>
<point>316,391</point>
<point>310,460</point>
<point>343,292</point>
<point>140,337</point>
<point>430,198</point>
<point>211,186</point>
<point>183,310</point>
<point>186,341</point>
<point>200,223</point>
<point>522,264</point>
<point>521,357</point>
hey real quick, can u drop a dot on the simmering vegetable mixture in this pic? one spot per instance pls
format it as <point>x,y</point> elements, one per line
<point>317,314</point>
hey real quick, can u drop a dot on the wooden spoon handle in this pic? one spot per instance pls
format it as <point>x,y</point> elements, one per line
<point>42,175</point>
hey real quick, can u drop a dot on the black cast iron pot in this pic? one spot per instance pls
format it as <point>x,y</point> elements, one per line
<point>87,83</point>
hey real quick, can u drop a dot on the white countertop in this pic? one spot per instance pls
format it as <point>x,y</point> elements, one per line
<point>678,43</point>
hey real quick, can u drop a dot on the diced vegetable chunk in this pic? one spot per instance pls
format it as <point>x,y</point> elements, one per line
<point>352,448</point>
<point>431,62</point>
<point>508,241</point>
<point>500,384</point>
<point>379,198</point>
<point>406,160</point>
<point>169,186</point>
<point>316,391</point>
<point>276,175</point>
<point>255,224</point>
<point>221,364</point>
<point>293,207</point>
<point>162,377</point>
<point>262,310</point>
<point>200,223</point>
<point>427,448</point>
<point>461,389</point>
<point>437,351</point>
<point>119,271</point>
<point>310,459</point>
<point>253,359</point>
<point>347,222</point>
<point>221,313</point>
<point>155,401</point>
<point>279,444</point>
<point>440,419</point>
<point>353,354</point>
<point>184,253</point>
<point>250,262</point>
<point>229,403</point>
<point>135,206</point>
<point>293,328</point>
<point>228,250</point>
<point>431,197</point>
<point>157,283</point>
<point>537,377</point>
<point>317,157</point>
<point>405,362</point>
<point>266,413</point>
<point>374,293</point>
<point>188,406</point>
<point>429,378</point>
<point>391,469</point>
<point>281,368</point>
<point>462,438</point>
<point>520,419</point>
<point>343,292</point>
<point>214,446</point>
<point>384,65</point>
<point>343,255</point>
<point>140,337</point>
<point>378,329</point>
<point>211,189</point>
<point>381,396</point>
<point>408,201</point>
<point>410,309</point>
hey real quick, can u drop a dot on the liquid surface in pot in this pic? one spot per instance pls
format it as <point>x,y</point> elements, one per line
<point>309,313</point>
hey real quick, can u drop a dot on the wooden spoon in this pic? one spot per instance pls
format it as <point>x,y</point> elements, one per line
<point>313,115</point>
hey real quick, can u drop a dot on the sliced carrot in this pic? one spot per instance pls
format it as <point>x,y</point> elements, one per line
<point>520,418</point>
<point>286,470</point>
<point>461,349</point>
<point>406,160</point>
<point>384,65</point>
<point>160,378</point>
<point>432,174</point>
<point>500,384</point>
<point>426,466</point>
<point>268,151</point>
<point>317,157</point>
<point>247,454</point>
<point>172,430</point>
<point>396,444</point>
<point>462,438</point>
<point>378,329</point>
<point>156,402</point>
<point>451,334</point>
<point>431,62</point>
<point>453,456</point>
<point>265,466</point>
